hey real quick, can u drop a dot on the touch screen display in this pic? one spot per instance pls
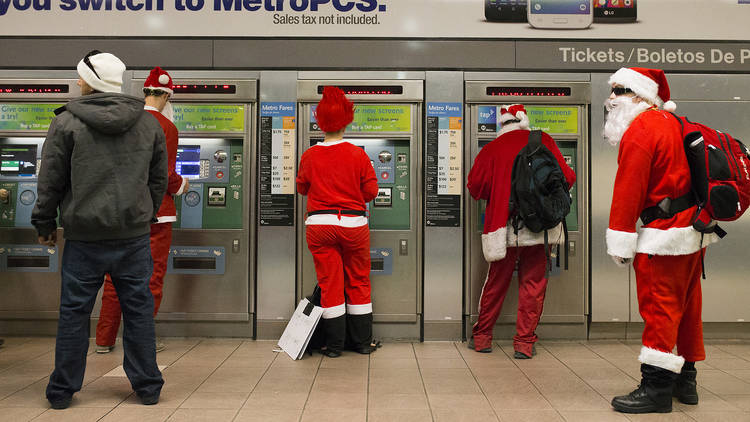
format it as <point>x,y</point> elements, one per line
<point>560,7</point>
<point>188,161</point>
<point>18,160</point>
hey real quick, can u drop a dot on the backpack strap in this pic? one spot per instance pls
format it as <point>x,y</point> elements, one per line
<point>535,139</point>
<point>667,208</point>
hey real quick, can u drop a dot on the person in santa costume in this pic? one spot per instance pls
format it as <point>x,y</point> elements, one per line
<point>666,251</point>
<point>490,179</point>
<point>338,179</point>
<point>157,89</point>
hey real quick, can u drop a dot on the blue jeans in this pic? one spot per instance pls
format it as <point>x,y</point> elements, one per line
<point>84,264</point>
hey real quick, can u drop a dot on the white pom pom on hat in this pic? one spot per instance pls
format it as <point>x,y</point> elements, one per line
<point>159,79</point>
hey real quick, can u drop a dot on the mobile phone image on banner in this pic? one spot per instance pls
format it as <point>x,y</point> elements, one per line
<point>606,11</point>
<point>505,10</point>
<point>560,14</point>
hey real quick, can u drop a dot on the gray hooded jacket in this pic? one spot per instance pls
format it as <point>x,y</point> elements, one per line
<point>104,164</point>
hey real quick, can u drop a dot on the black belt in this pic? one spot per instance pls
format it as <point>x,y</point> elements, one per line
<point>339,212</point>
<point>667,208</point>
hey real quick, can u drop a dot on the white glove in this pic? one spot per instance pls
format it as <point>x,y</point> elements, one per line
<point>620,262</point>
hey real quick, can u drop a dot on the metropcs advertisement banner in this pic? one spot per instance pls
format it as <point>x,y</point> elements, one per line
<point>725,20</point>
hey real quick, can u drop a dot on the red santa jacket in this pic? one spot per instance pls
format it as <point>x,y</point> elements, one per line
<point>336,176</point>
<point>489,179</point>
<point>167,211</point>
<point>651,166</point>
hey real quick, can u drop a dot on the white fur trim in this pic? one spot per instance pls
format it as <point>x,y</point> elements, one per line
<point>640,84</point>
<point>108,67</point>
<point>526,237</point>
<point>334,220</point>
<point>622,244</point>
<point>494,245</point>
<point>663,360</point>
<point>359,309</point>
<point>166,219</point>
<point>673,241</point>
<point>669,106</point>
<point>182,187</point>
<point>334,311</point>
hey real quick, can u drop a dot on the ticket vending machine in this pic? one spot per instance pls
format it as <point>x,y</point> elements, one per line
<point>209,287</point>
<point>387,126</point>
<point>29,278</point>
<point>560,109</point>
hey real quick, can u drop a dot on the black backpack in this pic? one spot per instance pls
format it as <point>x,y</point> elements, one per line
<point>539,197</point>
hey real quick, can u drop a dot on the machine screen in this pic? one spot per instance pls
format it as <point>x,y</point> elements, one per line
<point>188,162</point>
<point>18,160</point>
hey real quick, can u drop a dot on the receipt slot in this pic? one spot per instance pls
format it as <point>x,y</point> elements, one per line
<point>561,110</point>
<point>386,126</point>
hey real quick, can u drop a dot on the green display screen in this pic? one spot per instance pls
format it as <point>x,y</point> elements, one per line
<point>209,117</point>
<point>553,119</point>
<point>27,116</point>
<point>381,118</point>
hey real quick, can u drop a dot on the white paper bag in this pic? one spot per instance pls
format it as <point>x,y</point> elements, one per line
<point>300,328</point>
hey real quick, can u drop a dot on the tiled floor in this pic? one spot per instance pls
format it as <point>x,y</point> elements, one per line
<point>233,380</point>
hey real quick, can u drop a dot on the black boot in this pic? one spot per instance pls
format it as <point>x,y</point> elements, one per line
<point>335,329</point>
<point>654,395</point>
<point>685,386</point>
<point>359,333</point>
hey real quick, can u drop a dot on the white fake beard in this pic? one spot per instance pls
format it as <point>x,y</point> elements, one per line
<point>621,112</point>
<point>168,112</point>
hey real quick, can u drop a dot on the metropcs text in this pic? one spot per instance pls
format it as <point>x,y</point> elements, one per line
<point>195,5</point>
<point>653,55</point>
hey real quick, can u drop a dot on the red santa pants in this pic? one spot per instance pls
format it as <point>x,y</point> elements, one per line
<point>109,317</point>
<point>532,286</point>
<point>669,300</point>
<point>342,264</point>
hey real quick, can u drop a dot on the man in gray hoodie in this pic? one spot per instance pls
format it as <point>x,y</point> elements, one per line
<point>104,166</point>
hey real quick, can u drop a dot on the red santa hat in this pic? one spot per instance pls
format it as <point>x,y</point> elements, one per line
<point>334,111</point>
<point>649,84</point>
<point>159,80</point>
<point>513,117</point>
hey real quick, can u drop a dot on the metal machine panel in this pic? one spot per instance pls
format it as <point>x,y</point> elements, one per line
<point>443,253</point>
<point>726,292</point>
<point>29,272</point>
<point>210,274</point>
<point>395,216</point>
<point>566,298</point>
<point>610,295</point>
<point>720,101</point>
<point>276,243</point>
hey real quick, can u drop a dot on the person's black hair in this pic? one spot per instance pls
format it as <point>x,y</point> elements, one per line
<point>151,92</point>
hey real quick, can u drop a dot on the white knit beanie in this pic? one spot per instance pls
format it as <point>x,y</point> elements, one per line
<point>102,71</point>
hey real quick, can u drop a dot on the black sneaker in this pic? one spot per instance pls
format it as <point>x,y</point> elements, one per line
<point>62,403</point>
<point>520,355</point>
<point>150,400</point>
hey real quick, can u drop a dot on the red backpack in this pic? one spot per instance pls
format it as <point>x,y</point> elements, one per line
<point>720,179</point>
<point>720,175</point>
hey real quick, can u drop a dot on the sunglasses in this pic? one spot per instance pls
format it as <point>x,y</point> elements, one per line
<point>621,91</point>
<point>88,62</point>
